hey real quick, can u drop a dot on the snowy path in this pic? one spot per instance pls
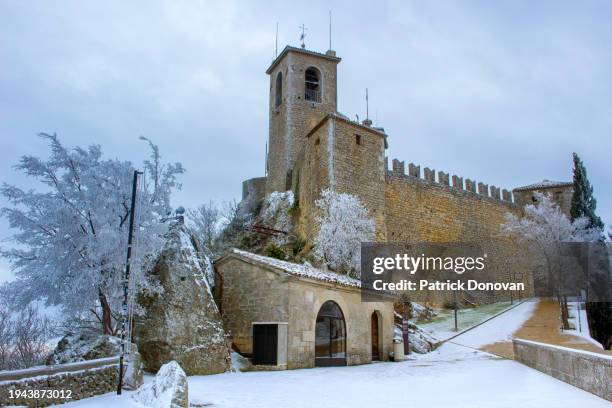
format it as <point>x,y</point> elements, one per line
<point>498,329</point>
<point>453,376</point>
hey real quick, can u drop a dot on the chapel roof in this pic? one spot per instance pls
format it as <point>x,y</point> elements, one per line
<point>294,269</point>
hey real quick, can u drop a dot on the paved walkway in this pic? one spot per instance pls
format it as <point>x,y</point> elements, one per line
<point>544,326</point>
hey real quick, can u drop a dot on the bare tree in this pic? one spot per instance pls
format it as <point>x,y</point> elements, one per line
<point>6,336</point>
<point>204,223</point>
<point>31,334</point>
<point>23,338</point>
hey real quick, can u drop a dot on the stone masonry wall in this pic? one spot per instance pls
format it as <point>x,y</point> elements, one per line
<point>582,369</point>
<point>430,209</point>
<point>305,302</point>
<point>248,294</point>
<point>251,293</point>
<point>81,384</point>
<point>562,196</point>
<point>348,158</point>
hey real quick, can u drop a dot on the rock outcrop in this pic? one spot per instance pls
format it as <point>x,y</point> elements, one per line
<point>84,345</point>
<point>90,345</point>
<point>182,323</point>
<point>169,389</point>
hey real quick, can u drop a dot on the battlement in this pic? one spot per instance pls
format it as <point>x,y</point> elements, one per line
<point>443,179</point>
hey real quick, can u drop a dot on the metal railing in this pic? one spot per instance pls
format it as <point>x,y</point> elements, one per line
<point>312,95</point>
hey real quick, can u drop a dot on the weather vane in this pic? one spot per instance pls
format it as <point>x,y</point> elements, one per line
<point>303,27</point>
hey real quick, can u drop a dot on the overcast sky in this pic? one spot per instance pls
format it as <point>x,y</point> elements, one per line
<point>500,91</point>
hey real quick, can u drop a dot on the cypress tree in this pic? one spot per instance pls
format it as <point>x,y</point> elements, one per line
<point>583,202</point>
<point>599,314</point>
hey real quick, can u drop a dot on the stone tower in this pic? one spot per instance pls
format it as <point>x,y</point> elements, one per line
<point>302,91</point>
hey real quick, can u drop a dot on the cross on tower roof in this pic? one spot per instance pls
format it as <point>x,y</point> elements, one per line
<point>303,35</point>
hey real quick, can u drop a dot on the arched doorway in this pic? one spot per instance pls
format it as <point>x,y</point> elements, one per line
<point>330,336</point>
<point>375,337</point>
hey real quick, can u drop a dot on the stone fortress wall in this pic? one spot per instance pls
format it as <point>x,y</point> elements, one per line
<point>443,209</point>
<point>313,147</point>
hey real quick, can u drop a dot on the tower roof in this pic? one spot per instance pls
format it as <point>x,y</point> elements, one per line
<point>544,184</point>
<point>329,55</point>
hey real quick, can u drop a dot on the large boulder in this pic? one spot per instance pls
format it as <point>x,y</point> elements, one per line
<point>182,323</point>
<point>169,389</point>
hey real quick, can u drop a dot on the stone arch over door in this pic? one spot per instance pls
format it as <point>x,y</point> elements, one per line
<point>330,336</point>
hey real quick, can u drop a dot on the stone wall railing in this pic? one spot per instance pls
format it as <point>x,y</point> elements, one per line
<point>582,369</point>
<point>74,380</point>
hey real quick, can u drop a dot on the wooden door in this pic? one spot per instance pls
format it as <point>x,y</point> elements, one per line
<point>375,351</point>
<point>265,344</point>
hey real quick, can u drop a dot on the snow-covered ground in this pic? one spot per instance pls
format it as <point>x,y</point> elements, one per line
<point>500,328</point>
<point>442,327</point>
<point>453,376</point>
<point>578,319</point>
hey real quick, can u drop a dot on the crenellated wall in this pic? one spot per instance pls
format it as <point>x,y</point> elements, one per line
<point>431,208</point>
<point>398,169</point>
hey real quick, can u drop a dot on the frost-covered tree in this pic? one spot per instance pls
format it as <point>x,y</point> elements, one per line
<point>70,245</point>
<point>546,228</point>
<point>344,224</point>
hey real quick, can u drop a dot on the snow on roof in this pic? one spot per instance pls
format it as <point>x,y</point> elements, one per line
<point>545,184</point>
<point>300,270</point>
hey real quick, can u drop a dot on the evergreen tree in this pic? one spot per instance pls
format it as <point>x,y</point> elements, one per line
<point>599,314</point>
<point>583,202</point>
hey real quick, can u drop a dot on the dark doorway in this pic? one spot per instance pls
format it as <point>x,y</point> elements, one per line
<point>265,344</point>
<point>330,336</point>
<point>375,351</point>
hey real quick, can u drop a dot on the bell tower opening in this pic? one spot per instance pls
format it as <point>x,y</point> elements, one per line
<point>312,85</point>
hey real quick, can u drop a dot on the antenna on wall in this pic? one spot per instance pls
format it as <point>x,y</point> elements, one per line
<point>276,42</point>
<point>367,105</point>
<point>330,25</point>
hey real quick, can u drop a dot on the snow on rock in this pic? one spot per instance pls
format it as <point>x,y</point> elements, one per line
<point>134,375</point>
<point>240,363</point>
<point>168,389</point>
<point>84,345</point>
<point>275,213</point>
<point>419,341</point>
<point>183,323</point>
<point>422,313</point>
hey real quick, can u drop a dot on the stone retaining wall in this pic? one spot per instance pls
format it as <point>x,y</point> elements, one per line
<point>76,380</point>
<point>582,369</point>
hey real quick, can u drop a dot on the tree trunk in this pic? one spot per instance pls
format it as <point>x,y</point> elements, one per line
<point>563,310</point>
<point>566,312</point>
<point>106,314</point>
